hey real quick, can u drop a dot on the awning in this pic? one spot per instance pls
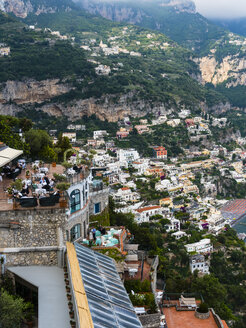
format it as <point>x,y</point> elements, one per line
<point>8,154</point>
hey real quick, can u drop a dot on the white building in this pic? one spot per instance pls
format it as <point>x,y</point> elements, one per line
<point>202,247</point>
<point>141,166</point>
<point>174,225</point>
<point>179,234</point>
<point>144,213</point>
<point>198,262</point>
<point>99,134</point>
<point>173,123</point>
<point>126,195</point>
<point>127,156</point>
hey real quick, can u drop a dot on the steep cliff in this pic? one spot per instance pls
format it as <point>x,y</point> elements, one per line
<point>22,8</point>
<point>31,91</point>
<point>231,69</point>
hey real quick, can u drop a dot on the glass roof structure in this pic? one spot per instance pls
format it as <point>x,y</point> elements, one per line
<point>109,303</point>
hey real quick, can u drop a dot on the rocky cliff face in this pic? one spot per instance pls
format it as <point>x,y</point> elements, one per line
<point>17,96</point>
<point>231,67</point>
<point>34,95</point>
<point>21,8</point>
<point>123,11</point>
<point>31,91</point>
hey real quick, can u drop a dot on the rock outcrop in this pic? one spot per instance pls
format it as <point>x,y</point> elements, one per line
<point>231,67</point>
<point>31,91</point>
<point>22,8</point>
<point>18,96</point>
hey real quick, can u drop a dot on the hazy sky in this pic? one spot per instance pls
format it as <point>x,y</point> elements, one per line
<point>221,8</point>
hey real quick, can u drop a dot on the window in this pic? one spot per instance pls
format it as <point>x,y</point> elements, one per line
<point>97,208</point>
<point>75,200</point>
<point>75,232</point>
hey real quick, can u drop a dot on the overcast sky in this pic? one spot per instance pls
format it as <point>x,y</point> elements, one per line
<point>221,8</point>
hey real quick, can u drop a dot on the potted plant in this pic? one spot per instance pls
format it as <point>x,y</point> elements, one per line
<point>60,177</point>
<point>67,165</point>
<point>27,173</point>
<point>69,297</point>
<point>10,192</point>
<point>73,324</point>
<point>66,281</point>
<point>62,187</point>
<point>66,275</point>
<point>70,305</point>
<point>68,289</point>
<point>202,312</point>
<point>71,313</point>
<point>17,185</point>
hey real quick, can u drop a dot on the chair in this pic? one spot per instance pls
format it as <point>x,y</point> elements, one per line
<point>56,197</point>
<point>28,202</point>
<point>47,201</point>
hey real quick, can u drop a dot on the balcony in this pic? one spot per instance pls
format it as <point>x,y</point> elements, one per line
<point>37,198</point>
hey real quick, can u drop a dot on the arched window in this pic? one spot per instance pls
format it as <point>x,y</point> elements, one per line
<point>75,232</point>
<point>75,203</point>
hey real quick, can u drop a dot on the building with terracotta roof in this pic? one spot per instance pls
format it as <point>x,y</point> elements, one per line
<point>166,201</point>
<point>160,152</point>
<point>125,194</point>
<point>144,213</point>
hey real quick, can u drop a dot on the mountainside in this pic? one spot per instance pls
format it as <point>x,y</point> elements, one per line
<point>177,19</point>
<point>22,8</point>
<point>95,66</point>
<point>236,25</point>
<point>221,54</point>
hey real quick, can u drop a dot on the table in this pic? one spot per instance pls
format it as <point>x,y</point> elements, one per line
<point>43,170</point>
<point>39,191</point>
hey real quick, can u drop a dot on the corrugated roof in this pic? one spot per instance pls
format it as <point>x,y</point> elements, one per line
<point>109,304</point>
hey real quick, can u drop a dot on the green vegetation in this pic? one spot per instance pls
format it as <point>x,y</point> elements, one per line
<point>142,294</point>
<point>9,127</point>
<point>203,308</point>
<point>185,27</point>
<point>101,219</point>
<point>13,310</point>
<point>38,55</point>
<point>220,289</point>
<point>113,253</point>
<point>168,80</point>
<point>137,286</point>
<point>172,138</point>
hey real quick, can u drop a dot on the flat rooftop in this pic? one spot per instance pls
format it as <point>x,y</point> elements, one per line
<point>187,319</point>
<point>52,300</point>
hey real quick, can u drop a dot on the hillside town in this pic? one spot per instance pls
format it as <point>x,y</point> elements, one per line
<point>122,165</point>
<point>103,197</point>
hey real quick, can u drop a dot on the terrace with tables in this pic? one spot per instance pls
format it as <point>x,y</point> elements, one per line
<point>37,184</point>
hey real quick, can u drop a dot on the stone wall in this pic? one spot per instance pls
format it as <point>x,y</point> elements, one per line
<point>32,258</point>
<point>33,237</point>
<point>150,320</point>
<point>99,197</point>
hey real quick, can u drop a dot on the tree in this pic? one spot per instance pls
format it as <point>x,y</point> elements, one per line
<point>38,140</point>
<point>12,310</point>
<point>214,294</point>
